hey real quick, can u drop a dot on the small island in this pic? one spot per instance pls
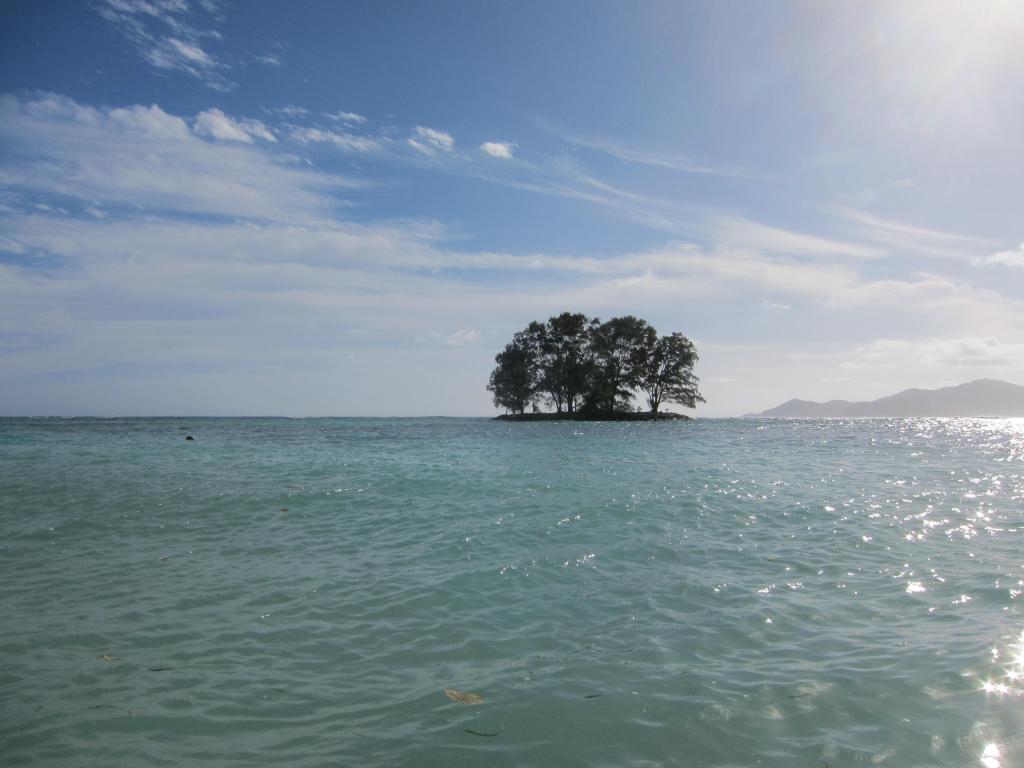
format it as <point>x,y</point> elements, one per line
<point>588,370</point>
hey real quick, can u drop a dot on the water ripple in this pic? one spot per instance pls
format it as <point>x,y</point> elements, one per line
<point>721,592</point>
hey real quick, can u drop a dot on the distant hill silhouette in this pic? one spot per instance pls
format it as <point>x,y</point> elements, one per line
<point>984,397</point>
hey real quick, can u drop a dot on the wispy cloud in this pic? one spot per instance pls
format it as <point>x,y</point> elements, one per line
<point>429,140</point>
<point>744,233</point>
<point>946,351</point>
<point>213,122</point>
<point>568,178</point>
<point>230,253</point>
<point>909,238</point>
<point>350,118</point>
<point>970,352</point>
<point>142,155</point>
<point>168,35</point>
<point>343,141</point>
<point>630,154</point>
<point>290,110</point>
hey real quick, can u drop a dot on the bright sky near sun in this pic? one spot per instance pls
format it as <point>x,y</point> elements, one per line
<point>347,208</point>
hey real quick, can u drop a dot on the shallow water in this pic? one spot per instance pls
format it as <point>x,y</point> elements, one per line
<point>713,593</point>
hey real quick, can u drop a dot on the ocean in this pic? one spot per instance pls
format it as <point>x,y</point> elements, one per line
<point>719,592</point>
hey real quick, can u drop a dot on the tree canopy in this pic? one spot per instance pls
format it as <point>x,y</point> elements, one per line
<point>576,364</point>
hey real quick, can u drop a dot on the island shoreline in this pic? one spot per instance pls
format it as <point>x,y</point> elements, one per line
<point>594,416</point>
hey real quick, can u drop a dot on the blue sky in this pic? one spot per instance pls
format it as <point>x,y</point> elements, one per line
<point>348,208</point>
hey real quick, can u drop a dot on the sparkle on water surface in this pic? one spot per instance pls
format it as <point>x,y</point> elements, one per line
<point>719,592</point>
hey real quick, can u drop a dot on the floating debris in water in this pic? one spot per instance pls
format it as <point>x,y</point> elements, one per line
<point>160,669</point>
<point>284,509</point>
<point>108,658</point>
<point>189,437</point>
<point>463,698</point>
<point>483,733</point>
<point>593,696</point>
<point>163,557</point>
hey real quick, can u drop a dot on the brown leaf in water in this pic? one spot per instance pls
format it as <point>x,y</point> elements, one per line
<point>463,698</point>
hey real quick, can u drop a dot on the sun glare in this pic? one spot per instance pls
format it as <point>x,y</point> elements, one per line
<point>944,61</point>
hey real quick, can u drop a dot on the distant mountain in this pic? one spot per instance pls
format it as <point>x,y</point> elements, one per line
<point>984,397</point>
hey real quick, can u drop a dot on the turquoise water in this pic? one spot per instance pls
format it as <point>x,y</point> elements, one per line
<point>713,593</point>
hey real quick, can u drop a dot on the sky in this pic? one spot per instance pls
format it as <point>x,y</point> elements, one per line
<point>348,208</point>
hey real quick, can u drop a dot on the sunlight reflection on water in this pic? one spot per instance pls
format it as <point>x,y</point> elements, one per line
<point>1011,681</point>
<point>793,592</point>
<point>990,756</point>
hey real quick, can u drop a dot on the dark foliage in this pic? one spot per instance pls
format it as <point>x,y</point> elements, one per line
<point>579,365</point>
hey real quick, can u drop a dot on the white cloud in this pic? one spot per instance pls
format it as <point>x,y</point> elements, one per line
<point>151,122</point>
<point>270,59</point>
<point>59,112</point>
<point>215,123</point>
<point>166,34</point>
<point>882,348</point>
<point>502,149</point>
<point>11,246</point>
<point>971,351</point>
<point>343,141</point>
<point>190,52</point>
<point>291,110</point>
<point>172,54</point>
<point>740,232</point>
<point>145,158</point>
<point>269,276</point>
<point>669,160</point>
<point>350,118</point>
<point>951,351</point>
<point>211,6</point>
<point>459,338</point>
<point>257,129</point>
<point>435,137</point>
<point>1011,258</point>
<point>910,238</point>
<point>565,177</point>
<point>429,140</point>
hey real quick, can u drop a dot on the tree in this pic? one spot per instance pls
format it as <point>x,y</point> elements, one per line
<point>618,347</point>
<point>514,381</point>
<point>567,359</point>
<point>578,363</point>
<point>665,372</point>
<point>534,340</point>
